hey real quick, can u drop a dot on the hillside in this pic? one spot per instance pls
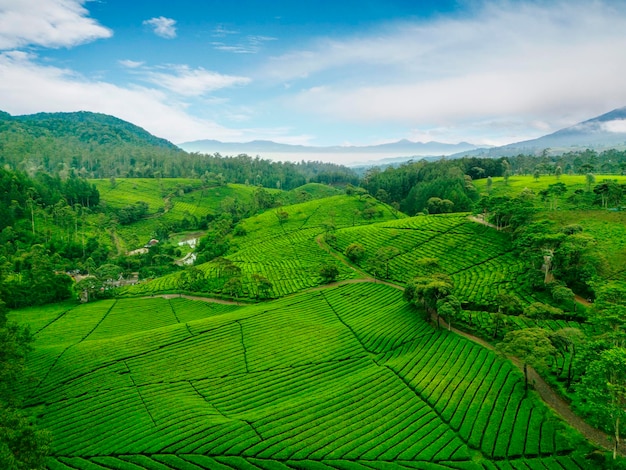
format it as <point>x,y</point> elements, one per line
<point>88,142</point>
<point>94,145</point>
<point>347,377</point>
<point>478,259</point>
<point>607,131</point>
<point>280,246</point>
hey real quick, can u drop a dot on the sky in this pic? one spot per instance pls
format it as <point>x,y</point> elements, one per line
<point>324,72</point>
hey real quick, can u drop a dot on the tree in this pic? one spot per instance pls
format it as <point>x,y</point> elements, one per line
<point>602,391</point>
<point>590,179</point>
<point>429,291</point>
<point>508,304</point>
<point>355,252</point>
<point>22,445</point>
<point>192,279</point>
<point>329,272</point>
<point>381,261</point>
<point>609,313</point>
<point>489,185</point>
<point>558,171</point>
<point>532,346</point>
<point>263,285</point>
<point>382,195</point>
<point>541,311</point>
<point>282,216</point>
<point>563,295</point>
<point>449,308</point>
<point>232,287</point>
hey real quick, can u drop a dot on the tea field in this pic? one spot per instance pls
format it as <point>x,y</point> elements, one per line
<point>477,257</point>
<point>347,377</point>
<point>284,250</point>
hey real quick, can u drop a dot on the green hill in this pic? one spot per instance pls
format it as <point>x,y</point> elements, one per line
<point>281,245</point>
<point>478,258</point>
<point>88,142</point>
<point>348,377</point>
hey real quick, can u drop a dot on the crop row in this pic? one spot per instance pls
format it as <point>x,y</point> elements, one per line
<point>473,391</point>
<point>454,251</point>
<point>379,326</point>
<point>203,462</point>
<point>481,283</point>
<point>309,381</point>
<point>187,310</point>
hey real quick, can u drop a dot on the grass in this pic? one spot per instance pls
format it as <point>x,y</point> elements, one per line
<point>347,377</point>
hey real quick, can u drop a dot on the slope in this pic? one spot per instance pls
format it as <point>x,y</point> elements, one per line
<point>348,377</point>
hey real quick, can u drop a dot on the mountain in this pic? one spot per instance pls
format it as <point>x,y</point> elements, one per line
<point>96,145</point>
<point>86,127</point>
<point>403,150</point>
<point>599,133</point>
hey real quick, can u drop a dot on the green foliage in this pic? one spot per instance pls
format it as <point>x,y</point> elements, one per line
<point>129,214</point>
<point>602,391</point>
<point>541,311</point>
<point>530,345</point>
<point>286,384</point>
<point>329,273</point>
<point>476,257</point>
<point>354,252</point>
<point>22,444</point>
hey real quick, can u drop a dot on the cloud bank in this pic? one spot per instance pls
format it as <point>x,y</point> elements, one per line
<point>47,23</point>
<point>557,61</point>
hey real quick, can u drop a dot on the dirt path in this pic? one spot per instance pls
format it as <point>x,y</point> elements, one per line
<point>582,301</point>
<point>548,395</point>
<point>480,219</point>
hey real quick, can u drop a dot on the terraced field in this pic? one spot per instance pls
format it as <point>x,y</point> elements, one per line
<point>478,258</point>
<point>285,252</point>
<point>342,378</point>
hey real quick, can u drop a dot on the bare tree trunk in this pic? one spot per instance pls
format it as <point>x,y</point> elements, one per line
<point>616,438</point>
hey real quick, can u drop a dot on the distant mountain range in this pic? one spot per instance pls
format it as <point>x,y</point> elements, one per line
<point>264,148</point>
<point>599,133</point>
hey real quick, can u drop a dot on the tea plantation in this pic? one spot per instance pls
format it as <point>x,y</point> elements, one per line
<point>349,377</point>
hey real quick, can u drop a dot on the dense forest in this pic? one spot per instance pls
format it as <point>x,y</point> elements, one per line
<point>94,145</point>
<point>413,184</point>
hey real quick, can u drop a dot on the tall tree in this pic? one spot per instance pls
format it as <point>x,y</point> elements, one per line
<point>602,391</point>
<point>532,346</point>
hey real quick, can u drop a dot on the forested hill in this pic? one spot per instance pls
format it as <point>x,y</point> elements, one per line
<point>92,144</point>
<point>95,145</point>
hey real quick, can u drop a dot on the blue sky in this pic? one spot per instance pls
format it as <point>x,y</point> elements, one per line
<point>318,72</point>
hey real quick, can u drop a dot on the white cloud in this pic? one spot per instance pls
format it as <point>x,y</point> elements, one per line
<point>554,62</point>
<point>130,64</point>
<point>246,45</point>
<point>48,23</point>
<point>617,126</point>
<point>162,26</point>
<point>185,81</point>
<point>28,87</point>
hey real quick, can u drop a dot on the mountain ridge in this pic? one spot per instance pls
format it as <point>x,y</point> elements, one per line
<point>602,132</point>
<point>404,145</point>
